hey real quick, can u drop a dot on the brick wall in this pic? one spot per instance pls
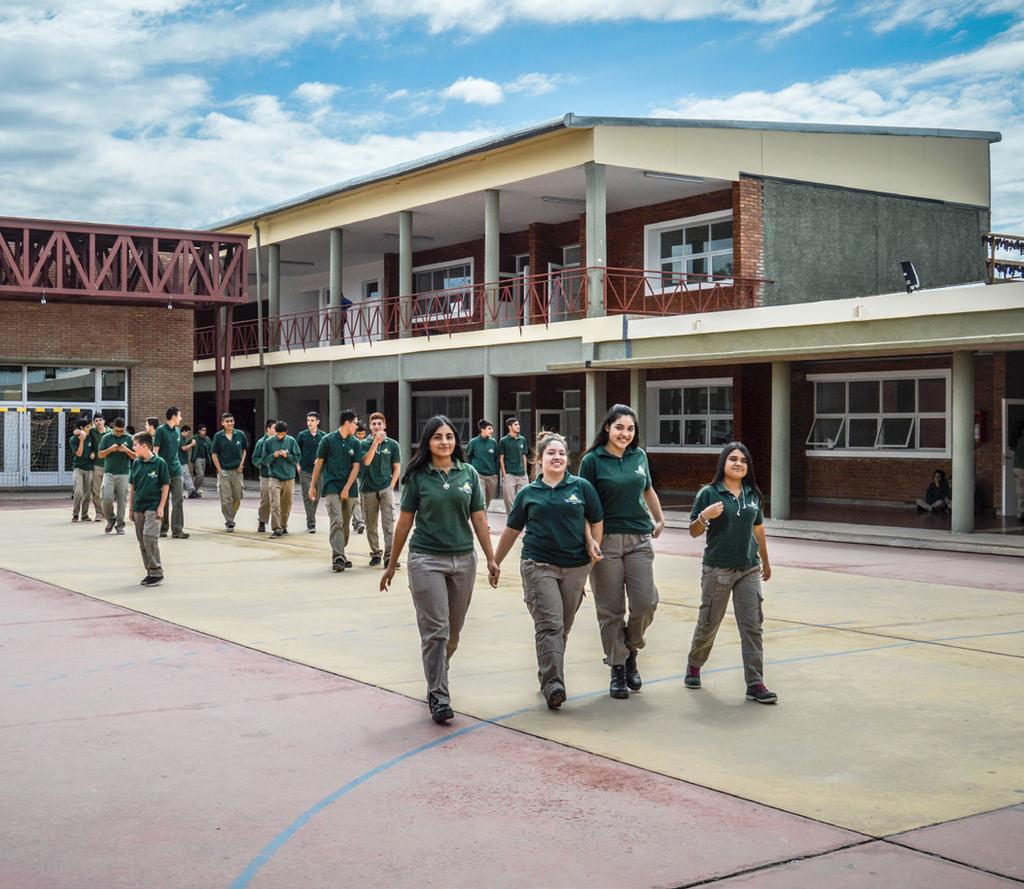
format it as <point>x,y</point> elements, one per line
<point>155,344</point>
<point>748,230</point>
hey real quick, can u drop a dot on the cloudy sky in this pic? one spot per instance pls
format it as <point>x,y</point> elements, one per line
<point>183,112</point>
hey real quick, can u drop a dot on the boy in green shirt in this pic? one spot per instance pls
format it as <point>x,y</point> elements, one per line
<point>358,522</point>
<point>82,457</point>
<point>512,462</point>
<point>482,453</point>
<point>150,483</point>
<point>280,456</point>
<point>308,441</point>
<point>263,516</point>
<point>228,452</point>
<point>166,445</point>
<point>96,433</point>
<point>185,450</point>
<point>200,455</point>
<point>382,465</point>
<point>338,459</point>
<point>118,453</point>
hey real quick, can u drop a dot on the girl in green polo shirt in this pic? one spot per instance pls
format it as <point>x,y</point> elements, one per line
<point>617,467</point>
<point>442,491</point>
<point>735,562</point>
<point>561,513</point>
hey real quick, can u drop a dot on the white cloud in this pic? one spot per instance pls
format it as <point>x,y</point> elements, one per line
<point>933,15</point>
<point>316,93</point>
<point>475,91</point>
<point>535,84</point>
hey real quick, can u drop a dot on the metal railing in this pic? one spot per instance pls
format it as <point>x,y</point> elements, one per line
<point>523,301</point>
<point>1002,268</point>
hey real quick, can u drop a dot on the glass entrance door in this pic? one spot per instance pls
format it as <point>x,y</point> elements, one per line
<point>46,450</point>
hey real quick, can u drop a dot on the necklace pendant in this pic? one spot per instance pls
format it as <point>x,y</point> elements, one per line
<point>446,486</point>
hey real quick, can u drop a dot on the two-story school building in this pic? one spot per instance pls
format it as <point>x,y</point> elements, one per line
<point>727,279</point>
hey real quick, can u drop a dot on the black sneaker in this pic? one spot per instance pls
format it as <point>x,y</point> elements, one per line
<point>440,713</point>
<point>144,581</point>
<point>181,535</point>
<point>633,679</point>
<point>109,528</point>
<point>556,698</point>
<point>278,533</point>
<point>618,687</point>
<point>163,533</point>
<point>284,530</point>
<point>74,518</point>
<point>311,529</point>
<point>230,526</point>
<point>374,561</point>
<point>261,528</point>
<point>152,581</point>
<point>348,564</point>
<point>360,528</point>
<point>692,677</point>
<point>761,694</point>
<point>338,564</point>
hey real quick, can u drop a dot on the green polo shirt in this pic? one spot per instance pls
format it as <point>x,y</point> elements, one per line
<point>620,483</point>
<point>87,460</point>
<point>443,503</point>
<point>183,455</point>
<point>96,437</point>
<point>282,468</point>
<point>730,537</point>
<point>117,463</point>
<point>514,451</point>
<point>378,473</point>
<point>482,454</point>
<point>168,439</point>
<point>339,456</point>
<point>202,449</point>
<point>229,450</point>
<point>308,444</point>
<point>554,519</point>
<point>260,455</point>
<point>148,478</point>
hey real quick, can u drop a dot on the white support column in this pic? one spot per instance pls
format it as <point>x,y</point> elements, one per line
<point>596,402</point>
<point>333,407</point>
<point>273,291</point>
<point>492,254</point>
<point>405,442</point>
<point>405,274</point>
<point>638,391</point>
<point>781,439</point>
<point>490,402</point>
<point>334,295</point>
<point>272,402</point>
<point>597,247</point>
<point>963,443</point>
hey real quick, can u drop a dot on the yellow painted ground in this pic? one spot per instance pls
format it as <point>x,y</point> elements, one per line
<point>875,731</point>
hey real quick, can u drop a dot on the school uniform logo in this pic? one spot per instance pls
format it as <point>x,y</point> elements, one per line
<point>466,488</point>
<point>152,473</point>
<point>574,500</point>
<point>384,451</point>
<point>641,471</point>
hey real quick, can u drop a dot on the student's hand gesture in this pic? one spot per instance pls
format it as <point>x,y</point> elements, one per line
<point>386,578</point>
<point>659,526</point>
<point>594,550</point>
<point>713,511</point>
<point>493,573</point>
<point>766,571</point>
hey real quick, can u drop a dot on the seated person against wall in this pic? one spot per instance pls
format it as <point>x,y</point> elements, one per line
<point>938,496</point>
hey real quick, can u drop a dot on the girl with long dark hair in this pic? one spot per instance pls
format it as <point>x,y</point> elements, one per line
<point>735,562</point>
<point>617,467</point>
<point>443,492</point>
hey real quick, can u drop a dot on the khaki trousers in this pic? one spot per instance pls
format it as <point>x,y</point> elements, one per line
<point>186,479</point>
<point>147,531</point>
<point>81,481</point>
<point>339,512</point>
<point>281,502</point>
<point>625,574</point>
<point>115,488</point>
<point>442,587</point>
<point>305,479</point>
<point>553,596</point>
<point>174,512</point>
<point>229,487</point>
<point>264,513</point>
<point>490,483</point>
<point>510,486</point>
<point>357,511</point>
<point>198,471</point>
<point>97,489</point>
<point>379,503</point>
<point>716,585</point>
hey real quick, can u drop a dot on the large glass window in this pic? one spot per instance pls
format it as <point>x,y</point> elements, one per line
<point>690,415</point>
<point>443,291</point>
<point>453,405</point>
<point>114,385</point>
<point>62,384</point>
<point>700,246</point>
<point>906,412</point>
<point>10,382</point>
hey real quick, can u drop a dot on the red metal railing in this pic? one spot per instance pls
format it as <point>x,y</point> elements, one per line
<point>514,302</point>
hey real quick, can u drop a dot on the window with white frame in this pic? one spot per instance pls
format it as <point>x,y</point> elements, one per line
<point>689,415</point>
<point>444,290</point>
<point>699,246</point>
<point>455,405</point>
<point>903,411</point>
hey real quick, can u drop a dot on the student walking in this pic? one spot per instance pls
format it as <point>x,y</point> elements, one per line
<point>482,454</point>
<point>735,561</point>
<point>358,522</point>
<point>185,449</point>
<point>200,456</point>
<point>96,433</point>
<point>338,458</point>
<point>150,482</point>
<point>82,461</point>
<point>118,451</point>
<point>563,518</point>
<point>512,462</point>
<point>308,441</point>
<point>281,456</point>
<point>382,465</point>
<point>263,465</point>
<point>617,467</point>
<point>166,445</point>
<point>228,451</point>
<point>442,492</point>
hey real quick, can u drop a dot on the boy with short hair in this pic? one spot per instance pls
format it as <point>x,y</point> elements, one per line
<point>338,459</point>
<point>96,433</point>
<point>149,485</point>
<point>382,465</point>
<point>308,441</point>
<point>482,454</point>
<point>118,452</point>
<point>166,445</point>
<point>82,457</point>
<point>259,461</point>
<point>281,455</point>
<point>200,455</point>
<point>512,462</point>
<point>358,522</point>
<point>185,449</point>
<point>228,451</point>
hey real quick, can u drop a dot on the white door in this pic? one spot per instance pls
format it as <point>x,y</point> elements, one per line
<point>1013,419</point>
<point>12,448</point>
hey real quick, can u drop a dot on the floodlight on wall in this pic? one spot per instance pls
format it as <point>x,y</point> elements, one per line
<point>557,199</point>
<point>42,299</point>
<point>910,278</point>
<point>673,177</point>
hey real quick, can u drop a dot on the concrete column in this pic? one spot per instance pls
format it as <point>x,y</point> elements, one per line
<point>405,273</point>
<point>781,439</point>
<point>597,237</point>
<point>334,296</point>
<point>491,401</point>
<point>405,442</point>
<point>596,402</point>
<point>638,391</point>
<point>330,423</point>
<point>492,254</point>
<point>271,401</point>
<point>963,442</point>
<point>273,293</point>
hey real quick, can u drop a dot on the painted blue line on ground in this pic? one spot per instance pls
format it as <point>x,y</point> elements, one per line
<point>125,664</point>
<point>94,670</point>
<point>23,685</point>
<point>56,678</point>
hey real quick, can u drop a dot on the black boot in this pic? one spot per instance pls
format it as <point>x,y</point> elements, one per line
<point>618,687</point>
<point>633,679</point>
